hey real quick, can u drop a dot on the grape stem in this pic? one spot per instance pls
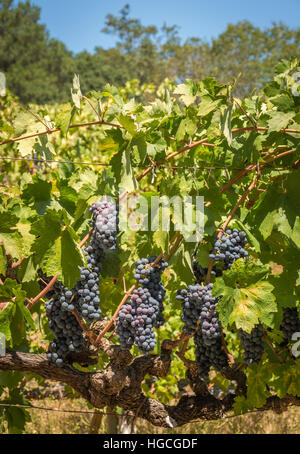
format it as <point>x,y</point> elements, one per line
<point>82,324</point>
<point>251,167</point>
<point>92,106</point>
<point>229,356</point>
<point>248,116</point>
<point>172,155</point>
<point>267,340</point>
<point>174,247</point>
<point>43,292</point>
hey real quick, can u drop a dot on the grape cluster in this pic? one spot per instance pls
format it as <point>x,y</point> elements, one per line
<point>191,303</point>
<point>149,277</point>
<point>67,331</point>
<point>88,294</point>
<point>209,354</point>
<point>198,306</point>
<point>199,311</point>
<point>84,297</point>
<point>210,324</point>
<point>105,223</point>
<point>290,322</point>
<point>212,329</point>
<point>252,344</point>
<point>136,320</point>
<point>201,355</point>
<point>229,247</point>
<point>200,273</point>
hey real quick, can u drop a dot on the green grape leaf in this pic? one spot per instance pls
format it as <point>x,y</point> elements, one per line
<point>246,298</point>
<point>241,405</point>
<point>26,123</point>
<point>47,229</point>
<point>127,123</point>
<point>27,272</point>
<point>6,317</point>
<point>65,116</point>
<point>258,375</point>
<point>226,123</point>
<point>279,120</point>
<point>38,194</point>
<point>63,258</point>
<point>286,379</point>
<point>3,260</point>
<point>187,92</point>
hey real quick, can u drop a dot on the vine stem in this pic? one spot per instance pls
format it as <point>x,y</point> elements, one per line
<point>251,167</point>
<point>43,292</point>
<point>174,247</point>
<point>91,105</point>
<point>243,110</point>
<point>229,356</point>
<point>114,125</point>
<point>172,155</point>
<point>267,340</point>
<point>86,238</point>
<point>114,317</point>
<point>18,263</point>
<point>53,130</point>
<point>83,325</point>
<point>261,128</point>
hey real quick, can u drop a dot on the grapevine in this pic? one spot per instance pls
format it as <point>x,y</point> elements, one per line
<point>126,300</point>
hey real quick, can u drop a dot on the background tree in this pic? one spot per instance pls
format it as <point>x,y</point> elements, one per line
<point>40,69</point>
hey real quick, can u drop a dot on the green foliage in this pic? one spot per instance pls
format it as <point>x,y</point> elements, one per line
<point>44,211</point>
<point>39,69</point>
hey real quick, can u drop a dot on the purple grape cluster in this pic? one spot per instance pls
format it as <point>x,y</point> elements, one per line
<point>290,322</point>
<point>105,224</point>
<point>136,320</point>
<point>201,319</point>
<point>252,344</point>
<point>84,297</point>
<point>208,354</point>
<point>191,304</point>
<point>230,247</point>
<point>200,273</point>
<point>149,277</point>
<point>88,292</point>
<point>201,355</point>
<point>198,307</point>
<point>210,324</point>
<point>67,331</point>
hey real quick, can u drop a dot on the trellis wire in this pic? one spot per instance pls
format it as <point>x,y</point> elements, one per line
<point>159,166</point>
<point>34,407</point>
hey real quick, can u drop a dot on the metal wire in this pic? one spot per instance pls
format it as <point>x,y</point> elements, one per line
<point>159,166</point>
<point>33,407</point>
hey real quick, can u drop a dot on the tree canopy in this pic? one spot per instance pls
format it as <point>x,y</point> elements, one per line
<point>39,69</point>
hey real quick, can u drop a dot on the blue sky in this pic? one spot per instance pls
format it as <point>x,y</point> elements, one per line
<point>78,23</point>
